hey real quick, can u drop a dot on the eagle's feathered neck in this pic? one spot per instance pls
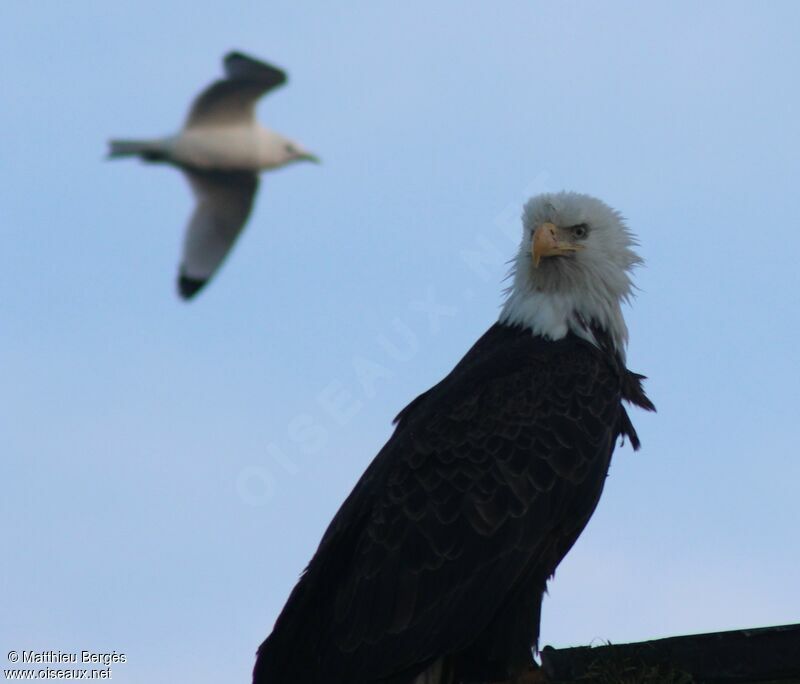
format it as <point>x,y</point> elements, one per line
<point>562,302</point>
<point>553,315</point>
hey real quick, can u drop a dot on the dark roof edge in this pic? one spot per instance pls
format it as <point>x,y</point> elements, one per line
<point>745,655</point>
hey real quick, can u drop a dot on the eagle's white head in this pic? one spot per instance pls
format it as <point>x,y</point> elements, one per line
<point>572,270</point>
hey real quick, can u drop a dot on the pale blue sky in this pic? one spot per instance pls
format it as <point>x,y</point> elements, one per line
<point>169,468</point>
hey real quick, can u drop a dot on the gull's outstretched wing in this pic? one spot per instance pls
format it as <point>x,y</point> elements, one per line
<point>232,100</point>
<point>224,201</point>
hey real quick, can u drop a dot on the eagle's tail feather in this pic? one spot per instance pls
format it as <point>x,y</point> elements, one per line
<point>437,673</point>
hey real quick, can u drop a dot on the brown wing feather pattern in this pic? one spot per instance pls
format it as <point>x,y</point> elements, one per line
<point>445,544</point>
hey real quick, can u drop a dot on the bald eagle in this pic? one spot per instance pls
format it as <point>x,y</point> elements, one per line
<point>434,569</point>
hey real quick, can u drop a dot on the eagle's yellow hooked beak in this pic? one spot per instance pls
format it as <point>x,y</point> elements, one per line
<point>546,244</point>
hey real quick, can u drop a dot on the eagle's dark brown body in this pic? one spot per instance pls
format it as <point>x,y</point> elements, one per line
<point>444,547</point>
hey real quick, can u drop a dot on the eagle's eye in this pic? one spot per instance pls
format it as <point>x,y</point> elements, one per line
<point>580,231</point>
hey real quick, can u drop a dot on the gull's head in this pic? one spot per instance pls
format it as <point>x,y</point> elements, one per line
<point>572,271</point>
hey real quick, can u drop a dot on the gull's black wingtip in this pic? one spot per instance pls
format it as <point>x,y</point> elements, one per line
<point>239,65</point>
<point>189,287</point>
<point>234,55</point>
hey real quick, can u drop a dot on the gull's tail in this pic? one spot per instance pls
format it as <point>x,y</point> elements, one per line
<point>149,150</point>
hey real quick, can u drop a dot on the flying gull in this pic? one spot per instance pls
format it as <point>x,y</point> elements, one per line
<point>221,149</point>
